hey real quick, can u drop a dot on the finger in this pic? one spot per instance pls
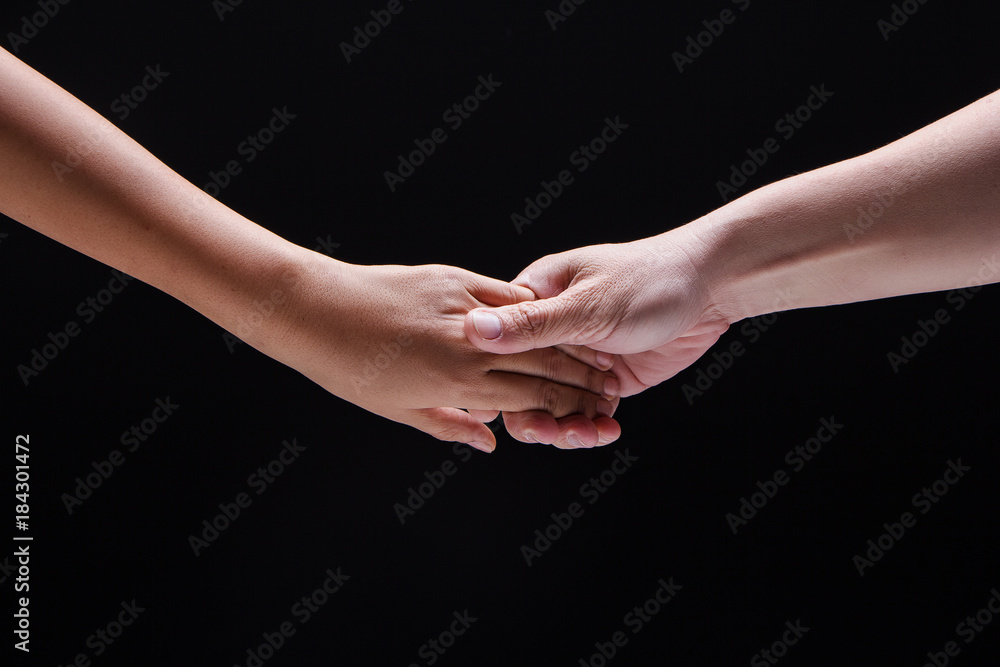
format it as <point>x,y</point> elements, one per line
<point>550,275</point>
<point>577,432</point>
<point>514,392</point>
<point>608,430</point>
<point>484,416</point>
<point>494,292</point>
<point>572,432</point>
<point>453,425</point>
<point>600,360</point>
<point>529,324</point>
<point>532,426</point>
<point>551,364</point>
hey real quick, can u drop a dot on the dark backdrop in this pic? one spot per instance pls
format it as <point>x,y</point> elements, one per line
<point>664,520</point>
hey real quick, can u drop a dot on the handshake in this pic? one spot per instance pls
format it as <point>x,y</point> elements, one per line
<point>555,350</point>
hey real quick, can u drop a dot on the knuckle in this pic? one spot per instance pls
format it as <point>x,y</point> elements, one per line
<point>595,380</point>
<point>550,399</point>
<point>560,401</point>
<point>450,434</point>
<point>439,275</point>
<point>554,364</point>
<point>586,404</point>
<point>527,317</point>
<point>529,426</point>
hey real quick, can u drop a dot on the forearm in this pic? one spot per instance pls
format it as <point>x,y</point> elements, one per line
<point>919,215</point>
<point>70,174</point>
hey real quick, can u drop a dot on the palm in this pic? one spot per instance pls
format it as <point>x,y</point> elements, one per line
<point>642,370</point>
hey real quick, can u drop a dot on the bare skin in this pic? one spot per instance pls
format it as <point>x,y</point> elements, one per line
<point>388,338</point>
<point>921,214</point>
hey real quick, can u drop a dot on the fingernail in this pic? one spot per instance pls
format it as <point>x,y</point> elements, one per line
<point>487,324</point>
<point>482,446</point>
<point>612,388</point>
<point>605,360</point>
<point>604,408</point>
<point>605,439</point>
<point>574,441</point>
<point>529,436</point>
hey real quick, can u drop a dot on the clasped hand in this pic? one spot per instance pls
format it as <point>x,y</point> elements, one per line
<point>390,339</point>
<point>645,302</point>
<point>554,350</point>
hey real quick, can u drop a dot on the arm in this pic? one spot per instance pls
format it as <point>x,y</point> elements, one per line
<point>71,175</point>
<point>918,215</point>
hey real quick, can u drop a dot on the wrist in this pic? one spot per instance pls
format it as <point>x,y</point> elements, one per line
<point>261,291</point>
<point>255,293</point>
<point>783,247</point>
<point>691,261</point>
<point>677,278</point>
<point>738,265</point>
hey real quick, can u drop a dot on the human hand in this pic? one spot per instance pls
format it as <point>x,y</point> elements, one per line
<point>644,301</point>
<point>390,339</point>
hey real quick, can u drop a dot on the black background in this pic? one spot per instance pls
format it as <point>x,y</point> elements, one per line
<point>334,507</point>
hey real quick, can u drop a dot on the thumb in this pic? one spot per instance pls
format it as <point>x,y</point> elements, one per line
<point>526,325</point>
<point>454,425</point>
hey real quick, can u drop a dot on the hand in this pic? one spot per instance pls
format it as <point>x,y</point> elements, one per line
<point>387,338</point>
<point>390,339</point>
<point>642,300</point>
